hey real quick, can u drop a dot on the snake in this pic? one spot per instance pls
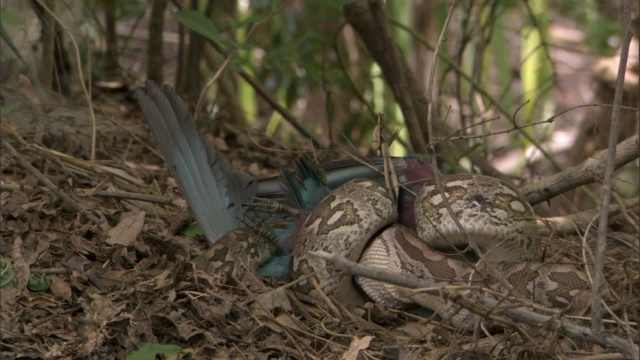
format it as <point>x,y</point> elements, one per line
<point>471,230</point>
<point>472,213</point>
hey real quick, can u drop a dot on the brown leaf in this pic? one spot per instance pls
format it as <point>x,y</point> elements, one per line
<point>118,278</point>
<point>357,344</point>
<point>159,281</point>
<point>126,232</point>
<point>187,329</point>
<point>102,309</point>
<point>28,90</point>
<point>44,240</point>
<point>60,288</point>
<point>19,265</point>
<point>274,299</point>
<point>12,202</point>
<point>31,300</point>
<point>81,245</point>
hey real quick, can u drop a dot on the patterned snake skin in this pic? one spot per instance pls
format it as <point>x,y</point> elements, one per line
<point>498,224</point>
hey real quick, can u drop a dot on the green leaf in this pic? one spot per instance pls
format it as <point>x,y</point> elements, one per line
<point>38,283</point>
<point>151,351</point>
<point>193,230</point>
<point>197,22</point>
<point>331,3</point>
<point>6,274</point>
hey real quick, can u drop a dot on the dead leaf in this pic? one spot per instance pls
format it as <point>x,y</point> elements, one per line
<point>159,281</point>
<point>419,329</point>
<point>44,240</point>
<point>102,309</point>
<point>287,321</point>
<point>187,329</point>
<point>273,299</point>
<point>81,245</point>
<point>13,201</point>
<point>28,90</point>
<point>126,232</point>
<point>118,278</point>
<point>60,288</point>
<point>20,267</point>
<point>357,344</point>
<point>31,300</point>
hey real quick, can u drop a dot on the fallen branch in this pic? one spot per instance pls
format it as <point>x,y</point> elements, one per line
<point>589,171</point>
<point>568,224</point>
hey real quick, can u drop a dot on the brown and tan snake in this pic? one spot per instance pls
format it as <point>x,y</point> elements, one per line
<point>497,223</point>
<point>357,221</point>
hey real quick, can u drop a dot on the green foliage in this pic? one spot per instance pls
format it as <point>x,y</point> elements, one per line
<point>599,31</point>
<point>197,22</point>
<point>6,274</point>
<point>38,283</point>
<point>598,28</point>
<point>124,9</point>
<point>155,351</point>
<point>536,70</point>
<point>331,3</point>
<point>193,229</point>
<point>297,53</point>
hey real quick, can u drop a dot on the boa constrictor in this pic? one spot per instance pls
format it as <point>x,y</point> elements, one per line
<point>493,219</point>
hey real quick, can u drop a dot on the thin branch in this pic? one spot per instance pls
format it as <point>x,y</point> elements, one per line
<point>589,171</point>
<point>570,223</point>
<point>596,308</point>
<point>133,196</point>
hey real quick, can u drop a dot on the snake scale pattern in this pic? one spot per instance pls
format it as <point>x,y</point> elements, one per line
<point>357,221</point>
<point>497,223</point>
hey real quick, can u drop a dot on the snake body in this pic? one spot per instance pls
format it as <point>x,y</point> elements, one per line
<point>493,219</point>
<point>341,223</point>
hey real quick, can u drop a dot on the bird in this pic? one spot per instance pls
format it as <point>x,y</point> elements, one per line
<point>219,196</point>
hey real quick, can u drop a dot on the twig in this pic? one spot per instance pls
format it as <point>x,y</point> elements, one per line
<point>46,182</point>
<point>569,223</point>
<point>133,196</point>
<point>87,165</point>
<point>596,308</point>
<point>105,194</point>
<point>203,92</point>
<point>590,170</point>
<point>516,314</point>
